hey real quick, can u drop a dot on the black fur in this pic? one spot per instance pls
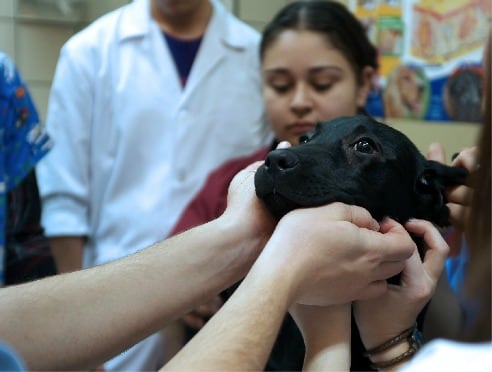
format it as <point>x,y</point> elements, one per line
<point>357,160</point>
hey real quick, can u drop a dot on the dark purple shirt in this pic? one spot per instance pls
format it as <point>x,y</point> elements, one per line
<point>184,53</point>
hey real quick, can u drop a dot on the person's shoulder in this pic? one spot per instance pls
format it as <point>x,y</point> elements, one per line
<point>7,66</point>
<point>5,59</point>
<point>244,28</point>
<point>10,77</point>
<point>452,356</point>
<point>101,29</point>
<point>237,32</point>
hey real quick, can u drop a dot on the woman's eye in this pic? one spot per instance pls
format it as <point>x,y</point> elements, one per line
<point>280,88</point>
<point>303,139</point>
<point>322,87</point>
<point>365,146</point>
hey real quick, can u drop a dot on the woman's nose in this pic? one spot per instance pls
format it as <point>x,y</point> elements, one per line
<point>301,101</point>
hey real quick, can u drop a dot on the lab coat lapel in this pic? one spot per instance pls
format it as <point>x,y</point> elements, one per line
<point>211,52</point>
<point>137,23</point>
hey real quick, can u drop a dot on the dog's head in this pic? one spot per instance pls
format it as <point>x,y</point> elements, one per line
<point>357,160</point>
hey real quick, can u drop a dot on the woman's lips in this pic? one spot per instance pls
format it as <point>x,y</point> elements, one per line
<point>301,128</point>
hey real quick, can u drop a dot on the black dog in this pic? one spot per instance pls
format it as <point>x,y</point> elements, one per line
<point>357,160</point>
<point>354,160</point>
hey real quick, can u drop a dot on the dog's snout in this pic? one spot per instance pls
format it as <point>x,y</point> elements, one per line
<point>281,160</point>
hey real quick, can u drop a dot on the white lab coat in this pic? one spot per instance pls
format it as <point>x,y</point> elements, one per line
<point>131,146</point>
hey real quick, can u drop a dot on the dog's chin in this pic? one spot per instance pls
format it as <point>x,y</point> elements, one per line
<point>278,205</point>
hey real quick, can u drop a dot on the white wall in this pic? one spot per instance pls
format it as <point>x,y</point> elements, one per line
<point>33,31</point>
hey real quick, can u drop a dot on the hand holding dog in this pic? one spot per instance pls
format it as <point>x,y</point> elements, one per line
<point>239,192</point>
<point>245,209</point>
<point>382,318</point>
<point>320,256</point>
<point>254,226</point>
<point>252,221</point>
<point>459,197</point>
<point>334,254</point>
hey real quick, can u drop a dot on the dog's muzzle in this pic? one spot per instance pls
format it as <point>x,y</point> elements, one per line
<point>269,184</point>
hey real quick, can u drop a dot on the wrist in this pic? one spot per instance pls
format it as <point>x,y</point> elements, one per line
<point>250,238</point>
<point>327,338</point>
<point>379,361</point>
<point>397,350</point>
<point>236,248</point>
<point>332,325</point>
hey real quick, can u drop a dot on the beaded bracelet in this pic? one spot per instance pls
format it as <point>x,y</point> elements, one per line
<point>414,338</point>
<point>391,342</point>
<point>400,358</point>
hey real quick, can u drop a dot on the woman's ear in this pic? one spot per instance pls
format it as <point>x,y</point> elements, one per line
<point>365,86</point>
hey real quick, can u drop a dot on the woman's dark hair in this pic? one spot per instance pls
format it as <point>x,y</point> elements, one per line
<point>330,19</point>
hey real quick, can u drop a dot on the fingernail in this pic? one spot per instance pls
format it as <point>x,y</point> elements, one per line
<point>283,145</point>
<point>374,225</point>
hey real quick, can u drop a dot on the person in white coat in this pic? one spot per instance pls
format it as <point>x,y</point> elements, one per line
<point>145,102</point>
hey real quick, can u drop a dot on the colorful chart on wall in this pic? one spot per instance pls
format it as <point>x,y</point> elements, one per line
<point>430,54</point>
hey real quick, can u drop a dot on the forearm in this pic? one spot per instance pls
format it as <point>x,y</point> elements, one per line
<point>78,320</point>
<point>67,252</point>
<point>328,344</point>
<point>303,263</point>
<point>241,335</point>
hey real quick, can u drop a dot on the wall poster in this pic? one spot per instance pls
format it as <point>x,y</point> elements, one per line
<point>430,54</point>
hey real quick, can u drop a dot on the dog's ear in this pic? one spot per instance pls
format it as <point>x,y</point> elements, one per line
<point>430,185</point>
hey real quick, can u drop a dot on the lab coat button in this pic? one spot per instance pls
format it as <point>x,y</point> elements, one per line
<point>181,176</point>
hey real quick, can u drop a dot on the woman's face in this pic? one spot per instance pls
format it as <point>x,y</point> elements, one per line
<point>307,80</point>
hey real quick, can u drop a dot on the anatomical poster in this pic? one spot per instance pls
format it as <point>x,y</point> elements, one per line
<point>430,54</point>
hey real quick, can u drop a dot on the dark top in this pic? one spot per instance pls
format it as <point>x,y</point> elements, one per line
<point>184,53</point>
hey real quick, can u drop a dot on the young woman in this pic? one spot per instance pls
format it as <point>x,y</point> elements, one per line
<point>317,64</point>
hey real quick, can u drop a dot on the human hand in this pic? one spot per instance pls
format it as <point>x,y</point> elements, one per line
<point>197,318</point>
<point>251,221</point>
<point>334,254</point>
<point>459,197</point>
<point>382,318</point>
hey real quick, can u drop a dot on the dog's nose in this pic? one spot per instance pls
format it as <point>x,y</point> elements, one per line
<point>281,160</point>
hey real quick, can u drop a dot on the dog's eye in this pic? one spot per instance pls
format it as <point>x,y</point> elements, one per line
<point>303,139</point>
<point>366,146</point>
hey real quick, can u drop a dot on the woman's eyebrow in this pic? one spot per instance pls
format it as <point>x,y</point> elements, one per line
<point>279,70</point>
<point>316,69</point>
